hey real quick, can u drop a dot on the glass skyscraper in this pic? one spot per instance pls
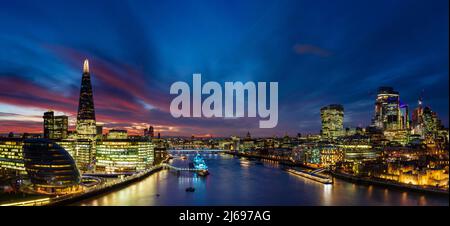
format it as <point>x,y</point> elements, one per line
<point>86,125</point>
<point>387,109</point>
<point>332,121</point>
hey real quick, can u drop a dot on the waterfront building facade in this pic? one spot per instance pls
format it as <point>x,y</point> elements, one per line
<point>50,168</point>
<point>349,151</point>
<point>11,156</point>
<point>118,156</point>
<point>82,150</point>
<point>114,156</point>
<point>410,174</point>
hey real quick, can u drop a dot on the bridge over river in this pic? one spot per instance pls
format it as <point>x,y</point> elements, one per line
<point>194,151</point>
<point>240,181</point>
<point>170,167</point>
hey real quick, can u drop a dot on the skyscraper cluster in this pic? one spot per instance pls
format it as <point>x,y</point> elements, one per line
<point>149,132</point>
<point>114,153</point>
<point>390,113</point>
<point>391,117</point>
<point>424,121</point>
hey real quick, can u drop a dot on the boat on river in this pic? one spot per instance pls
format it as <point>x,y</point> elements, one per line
<point>200,165</point>
<point>312,176</point>
<point>190,189</point>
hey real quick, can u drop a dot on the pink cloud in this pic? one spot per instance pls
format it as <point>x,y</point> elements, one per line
<point>311,49</point>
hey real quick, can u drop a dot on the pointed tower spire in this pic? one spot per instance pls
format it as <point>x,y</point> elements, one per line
<point>86,124</point>
<point>421,98</point>
<point>86,66</point>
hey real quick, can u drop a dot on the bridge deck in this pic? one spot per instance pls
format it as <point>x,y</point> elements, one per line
<point>165,165</point>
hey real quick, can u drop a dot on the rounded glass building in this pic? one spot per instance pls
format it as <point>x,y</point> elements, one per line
<point>50,168</point>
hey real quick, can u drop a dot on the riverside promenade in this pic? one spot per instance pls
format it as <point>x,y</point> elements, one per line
<point>89,192</point>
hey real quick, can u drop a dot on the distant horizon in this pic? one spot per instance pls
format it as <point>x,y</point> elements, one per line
<point>340,56</point>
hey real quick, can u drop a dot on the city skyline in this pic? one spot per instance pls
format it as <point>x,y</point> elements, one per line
<point>86,111</point>
<point>202,104</point>
<point>131,84</point>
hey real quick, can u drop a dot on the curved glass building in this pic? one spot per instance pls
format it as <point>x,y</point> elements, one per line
<point>50,167</point>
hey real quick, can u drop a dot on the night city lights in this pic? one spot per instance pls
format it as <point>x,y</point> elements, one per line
<point>251,104</point>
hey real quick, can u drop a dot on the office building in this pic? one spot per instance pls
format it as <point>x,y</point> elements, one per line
<point>123,156</point>
<point>149,132</point>
<point>11,158</point>
<point>387,109</point>
<point>332,121</point>
<point>55,127</point>
<point>50,168</point>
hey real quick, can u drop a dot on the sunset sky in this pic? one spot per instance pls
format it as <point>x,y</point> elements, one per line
<point>320,52</point>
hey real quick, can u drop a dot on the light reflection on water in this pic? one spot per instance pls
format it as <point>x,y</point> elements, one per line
<point>240,181</point>
<point>327,194</point>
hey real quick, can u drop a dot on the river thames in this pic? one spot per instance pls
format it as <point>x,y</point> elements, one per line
<point>239,181</point>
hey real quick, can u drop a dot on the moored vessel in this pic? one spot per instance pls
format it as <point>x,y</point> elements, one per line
<point>200,165</point>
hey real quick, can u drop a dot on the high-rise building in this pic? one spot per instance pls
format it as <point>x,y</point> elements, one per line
<point>387,109</point>
<point>48,124</point>
<point>425,121</point>
<point>86,125</point>
<point>55,127</point>
<point>431,122</point>
<point>417,119</point>
<point>404,116</point>
<point>83,152</point>
<point>149,132</point>
<point>332,121</point>
<point>99,130</point>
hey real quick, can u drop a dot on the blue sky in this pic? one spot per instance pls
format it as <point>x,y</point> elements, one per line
<point>320,52</point>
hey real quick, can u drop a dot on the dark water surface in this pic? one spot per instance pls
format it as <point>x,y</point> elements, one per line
<point>238,181</point>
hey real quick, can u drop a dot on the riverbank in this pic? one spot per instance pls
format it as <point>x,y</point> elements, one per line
<point>280,161</point>
<point>389,184</point>
<point>239,182</point>
<point>105,188</point>
<point>89,192</point>
<point>353,179</point>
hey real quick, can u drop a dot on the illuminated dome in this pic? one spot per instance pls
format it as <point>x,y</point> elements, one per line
<point>50,167</point>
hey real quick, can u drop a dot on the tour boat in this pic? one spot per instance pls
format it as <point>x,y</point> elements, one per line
<point>200,165</point>
<point>203,173</point>
<point>316,177</point>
